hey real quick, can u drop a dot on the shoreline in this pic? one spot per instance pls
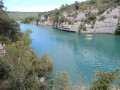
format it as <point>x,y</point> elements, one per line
<point>73,31</point>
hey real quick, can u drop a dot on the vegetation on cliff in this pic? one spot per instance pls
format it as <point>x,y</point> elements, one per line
<point>28,19</point>
<point>88,13</point>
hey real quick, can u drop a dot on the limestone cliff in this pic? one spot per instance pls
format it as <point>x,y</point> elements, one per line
<point>76,21</point>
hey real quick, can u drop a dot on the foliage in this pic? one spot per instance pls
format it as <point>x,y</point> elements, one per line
<point>28,19</point>
<point>118,29</point>
<point>82,27</point>
<point>8,27</point>
<point>25,37</point>
<point>101,18</point>
<point>51,18</point>
<point>4,40</point>
<point>90,17</point>
<point>24,65</point>
<point>104,79</point>
<point>42,67</point>
<point>21,15</point>
<point>92,1</point>
<point>4,70</point>
<point>61,81</point>
<point>1,5</point>
<point>76,5</point>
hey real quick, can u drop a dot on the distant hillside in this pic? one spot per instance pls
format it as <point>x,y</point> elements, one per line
<point>21,15</point>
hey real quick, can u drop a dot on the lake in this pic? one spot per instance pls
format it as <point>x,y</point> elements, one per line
<point>72,53</point>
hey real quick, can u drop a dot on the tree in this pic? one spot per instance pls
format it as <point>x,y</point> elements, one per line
<point>104,79</point>
<point>92,1</point>
<point>8,27</point>
<point>62,7</point>
<point>118,28</point>
<point>1,5</point>
<point>28,19</point>
<point>26,37</point>
<point>76,5</point>
<point>42,67</point>
<point>24,65</point>
<point>61,81</point>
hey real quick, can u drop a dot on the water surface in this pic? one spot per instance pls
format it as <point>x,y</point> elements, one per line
<point>72,53</point>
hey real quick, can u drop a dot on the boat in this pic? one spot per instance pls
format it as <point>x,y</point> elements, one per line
<point>89,38</point>
<point>89,35</point>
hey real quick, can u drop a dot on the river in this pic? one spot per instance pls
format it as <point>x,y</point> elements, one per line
<point>72,53</point>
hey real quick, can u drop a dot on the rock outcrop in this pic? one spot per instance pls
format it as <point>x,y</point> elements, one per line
<point>107,25</point>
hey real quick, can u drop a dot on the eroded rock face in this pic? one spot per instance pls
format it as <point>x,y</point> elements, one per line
<point>108,25</point>
<point>115,12</point>
<point>80,16</point>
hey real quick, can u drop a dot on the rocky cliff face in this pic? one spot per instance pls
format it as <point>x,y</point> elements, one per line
<point>107,24</point>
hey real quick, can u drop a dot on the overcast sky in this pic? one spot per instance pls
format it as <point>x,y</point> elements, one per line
<point>35,5</point>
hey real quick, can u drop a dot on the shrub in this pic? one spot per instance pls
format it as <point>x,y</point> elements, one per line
<point>101,18</point>
<point>101,11</point>
<point>61,81</point>
<point>108,12</point>
<point>115,17</point>
<point>90,17</point>
<point>69,21</point>
<point>81,27</point>
<point>51,18</point>
<point>118,29</point>
<point>28,19</point>
<point>104,79</point>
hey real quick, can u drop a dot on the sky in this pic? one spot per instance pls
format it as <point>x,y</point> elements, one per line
<point>35,5</point>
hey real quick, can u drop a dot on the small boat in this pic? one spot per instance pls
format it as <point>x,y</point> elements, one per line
<point>89,38</point>
<point>89,35</point>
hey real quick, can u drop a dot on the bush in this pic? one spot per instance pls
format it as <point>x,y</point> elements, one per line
<point>51,18</point>
<point>118,29</point>
<point>82,27</point>
<point>92,1</point>
<point>28,19</point>
<point>69,21</point>
<point>101,18</point>
<point>90,17</point>
<point>115,17</point>
<point>61,81</point>
<point>101,11</point>
<point>104,79</point>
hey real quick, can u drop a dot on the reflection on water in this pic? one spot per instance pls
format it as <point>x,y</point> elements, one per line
<point>72,53</point>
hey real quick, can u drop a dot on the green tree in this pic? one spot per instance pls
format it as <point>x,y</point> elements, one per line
<point>61,81</point>
<point>104,79</point>
<point>51,18</point>
<point>8,27</point>
<point>1,5</point>
<point>93,1</point>
<point>76,5</point>
<point>28,19</point>
<point>42,67</point>
<point>118,28</point>
<point>26,37</point>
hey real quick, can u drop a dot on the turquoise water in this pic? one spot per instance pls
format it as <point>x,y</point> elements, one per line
<point>72,53</point>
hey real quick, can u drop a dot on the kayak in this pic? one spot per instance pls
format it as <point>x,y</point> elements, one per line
<point>89,38</point>
<point>89,35</point>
